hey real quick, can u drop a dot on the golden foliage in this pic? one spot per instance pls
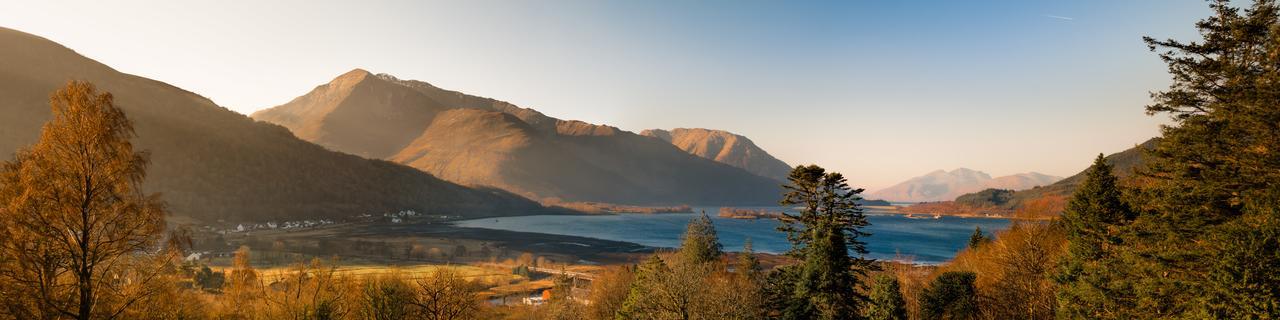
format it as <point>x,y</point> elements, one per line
<point>1014,271</point>
<point>75,217</point>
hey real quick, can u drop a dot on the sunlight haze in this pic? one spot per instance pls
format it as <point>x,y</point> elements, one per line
<point>887,91</point>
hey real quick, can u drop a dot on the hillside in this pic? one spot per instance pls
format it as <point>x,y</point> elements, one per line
<point>943,185</point>
<point>1123,164</point>
<point>724,147</point>
<point>484,142</point>
<point>212,164</point>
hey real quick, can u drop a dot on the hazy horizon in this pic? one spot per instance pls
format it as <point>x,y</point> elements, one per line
<point>886,92</point>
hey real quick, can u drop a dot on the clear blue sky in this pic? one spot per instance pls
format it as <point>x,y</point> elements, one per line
<point>879,90</point>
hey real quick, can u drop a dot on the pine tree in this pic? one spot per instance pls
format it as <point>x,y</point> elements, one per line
<point>648,278</point>
<point>748,267</point>
<point>950,296</point>
<point>977,238</point>
<point>886,302</point>
<point>823,235</point>
<point>701,244</point>
<point>1219,154</point>
<point>1092,221</point>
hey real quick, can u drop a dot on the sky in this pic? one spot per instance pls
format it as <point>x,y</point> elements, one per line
<point>878,90</point>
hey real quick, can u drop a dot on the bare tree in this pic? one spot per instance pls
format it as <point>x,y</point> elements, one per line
<point>446,295</point>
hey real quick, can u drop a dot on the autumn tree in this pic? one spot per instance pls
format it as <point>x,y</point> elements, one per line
<point>446,295</point>
<point>74,211</point>
<point>608,291</point>
<point>825,235</point>
<point>242,286</point>
<point>308,290</point>
<point>385,297</point>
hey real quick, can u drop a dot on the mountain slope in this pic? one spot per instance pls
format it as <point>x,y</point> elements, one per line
<point>485,142</point>
<point>212,164</point>
<point>726,148</point>
<point>944,186</point>
<point>1123,164</point>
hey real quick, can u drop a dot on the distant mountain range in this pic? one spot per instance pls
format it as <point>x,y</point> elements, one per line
<point>947,185</point>
<point>483,142</point>
<point>212,164</point>
<point>724,147</point>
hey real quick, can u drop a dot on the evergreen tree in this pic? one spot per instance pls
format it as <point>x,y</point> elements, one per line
<point>748,267</point>
<point>823,235</point>
<point>1219,154</point>
<point>701,245</point>
<point>977,238</point>
<point>886,302</point>
<point>950,296</point>
<point>648,278</point>
<point>1092,220</point>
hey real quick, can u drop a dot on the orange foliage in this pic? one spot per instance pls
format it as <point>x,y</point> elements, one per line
<point>1049,206</point>
<point>1014,270</point>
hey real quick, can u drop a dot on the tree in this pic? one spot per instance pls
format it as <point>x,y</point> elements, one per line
<point>445,295</point>
<point>1218,155</point>
<point>1247,255</point>
<point>74,209</point>
<point>648,279</point>
<point>608,292</point>
<point>307,291</point>
<point>1092,221</point>
<point>978,238</point>
<point>950,296</point>
<point>701,245</point>
<point>824,234</point>
<point>209,280</point>
<point>242,286</point>
<point>748,267</point>
<point>385,297</point>
<point>886,302</point>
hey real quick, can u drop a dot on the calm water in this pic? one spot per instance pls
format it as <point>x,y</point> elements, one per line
<point>922,240</point>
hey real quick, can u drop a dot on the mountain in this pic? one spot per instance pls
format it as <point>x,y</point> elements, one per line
<point>212,164</point>
<point>484,142</point>
<point>1021,181</point>
<point>724,147</point>
<point>1122,163</point>
<point>944,186</point>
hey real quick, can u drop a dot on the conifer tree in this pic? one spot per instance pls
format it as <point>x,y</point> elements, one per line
<point>977,238</point>
<point>748,267</point>
<point>701,244</point>
<point>950,296</point>
<point>648,277</point>
<point>1092,220</point>
<point>824,234</point>
<point>886,302</point>
<point>1219,154</point>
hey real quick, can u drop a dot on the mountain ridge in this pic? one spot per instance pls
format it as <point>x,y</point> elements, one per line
<point>213,164</point>
<point>941,185</point>
<point>525,152</point>
<point>724,147</point>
